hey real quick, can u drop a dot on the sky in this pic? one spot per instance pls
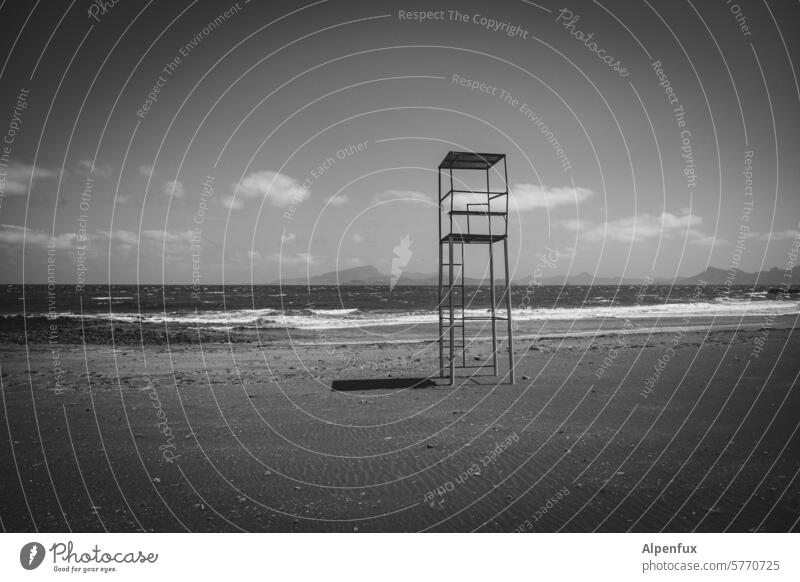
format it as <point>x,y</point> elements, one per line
<point>225,142</point>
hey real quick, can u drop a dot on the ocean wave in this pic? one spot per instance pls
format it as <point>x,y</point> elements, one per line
<point>729,308</point>
<point>111,298</point>
<point>315,319</point>
<point>334,312</point>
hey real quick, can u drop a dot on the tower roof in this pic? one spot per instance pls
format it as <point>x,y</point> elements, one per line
<point>469,161</point>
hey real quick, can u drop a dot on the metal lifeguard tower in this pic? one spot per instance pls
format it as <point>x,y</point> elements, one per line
<point>471,212</point>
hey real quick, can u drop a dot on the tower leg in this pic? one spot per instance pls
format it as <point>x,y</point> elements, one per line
<point>508,316</point>
<point>493,299</point>
<point>441,314</point>
<point>452,329</point>
<point>463,306</point>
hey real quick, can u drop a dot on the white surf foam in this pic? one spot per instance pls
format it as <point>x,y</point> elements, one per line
<point>311,319</point>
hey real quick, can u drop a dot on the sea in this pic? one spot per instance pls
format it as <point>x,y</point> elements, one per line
<point>340,307</point>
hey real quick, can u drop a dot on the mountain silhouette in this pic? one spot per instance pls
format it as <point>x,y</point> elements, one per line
<point>370,275</point>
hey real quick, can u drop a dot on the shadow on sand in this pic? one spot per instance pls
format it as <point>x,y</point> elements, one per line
<point>382,384</point>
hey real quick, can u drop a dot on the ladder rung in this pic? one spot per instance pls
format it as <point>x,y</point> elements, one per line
<point>467,238</point>
<point>476,212</point>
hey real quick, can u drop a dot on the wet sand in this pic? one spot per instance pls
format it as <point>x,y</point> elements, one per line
<point>680,429</point>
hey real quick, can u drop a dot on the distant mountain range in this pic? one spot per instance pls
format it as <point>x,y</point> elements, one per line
<point>712,276</point>
<point>369,275</point>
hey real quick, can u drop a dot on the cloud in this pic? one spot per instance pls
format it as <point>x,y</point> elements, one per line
<point>18,176</point>
<point>288,238</point>
<point>573,224</point>
<point>169,246</point>
<point>121,240</point>
<point>358,239</point>
<point>640,228</point>
<point>126,238</point>
<point>281,190</point>
<point>174,188</point>
<point>12,234</point>
<point>337,200</point>
<point>787,234</point>
<point>233,203</point>
<point>699,239</point>
<point>170,237</point>
<point>254,256</point>
<point>174,241</point>
<point>524,196</point>
<point>352,262</point>
<point>401,195</point>
<point>89,167</point>
<point>146,170</point>
<point>293,259</point>
<point>566,252</point>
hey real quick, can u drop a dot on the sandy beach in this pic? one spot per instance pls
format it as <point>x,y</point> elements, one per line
<point>667,426</point>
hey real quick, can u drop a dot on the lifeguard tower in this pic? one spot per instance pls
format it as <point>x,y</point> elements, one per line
<point>473,214</point>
